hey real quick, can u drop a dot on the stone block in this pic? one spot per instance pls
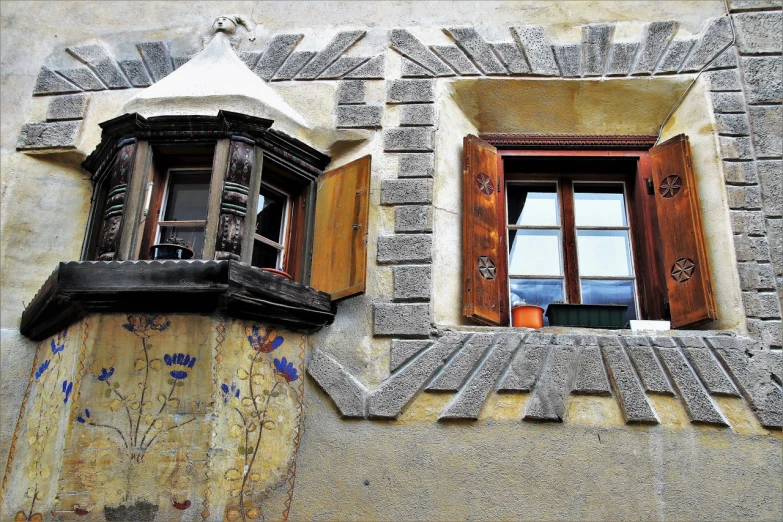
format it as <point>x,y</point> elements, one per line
<point>726,60</point>
<point>179,61</point>
<point>373,69</point>
<point>413,218</point>
<point>249,58</point>
<point>650,372</point>
<point>596,40</point>
<point>410,91</point>
<point>413,70</point>
<point>70,107</point>
<point>756,276</point>
<point>538,50</point>
<point>421,115</point>
<point>768,332</point>
<point>351,92</point>
<point>409,46</point>
<point>278,49</point>
<point>717,37</point>
<point>759,32</point>
<point>732,124</point>
<point>83,77</point>
<point>157,57</point>
<point>764,305</point>
<point>569,58</point>
<point>416,165</point>
<point>767,125</point>
<point>405,248</point>
<point>749,222</point>
<point>526,365</point>
<point>735,148</point>
<point>460,366</point>
<point>97,58</point>
<point>763,79</point>
<point>359,116</point>
<point>697,403</point>
<point>49,82</point>
<point>456,59</point>
<point>775,237</point>
<point>547,401</point>
<point>406,191</point>
<point>347,393</point>
<point>770,174</point>
<point>674,56</point>
<point>293,65</point>
<point>470,41</point>
<point>342,66</point>
<point>740,172</point>
<point>512,57</point>
<point>744,197</point>
<point>337,46</point>
<point>728,102</point>
<point>407,139</point>
<point>136,72</point>
<point>590,374</point>
<point>654,41</point>
<point>621,58</point>
<point>412,283</point>
<point>723,80</point>
<point>664,341</point>
<point>402,350</point>
<point>633,401</point>
<point>710,372</point>
<point>752,5</point>
<point>401,319</point>
<point>49,135</point>
<point>750,248</point>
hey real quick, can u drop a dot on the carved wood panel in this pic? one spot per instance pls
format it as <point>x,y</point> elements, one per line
<point>114,208</point>
<point>233,202</point>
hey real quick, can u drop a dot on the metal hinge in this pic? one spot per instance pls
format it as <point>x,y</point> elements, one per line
<point>650,187</point>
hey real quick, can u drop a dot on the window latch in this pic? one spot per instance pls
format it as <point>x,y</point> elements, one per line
<point>650,187</point>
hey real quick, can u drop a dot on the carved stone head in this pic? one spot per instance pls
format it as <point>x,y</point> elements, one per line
<point>225,24</point>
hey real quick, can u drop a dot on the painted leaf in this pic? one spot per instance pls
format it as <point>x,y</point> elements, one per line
<point>140,364</point>
<point>242,374</point>
<point>170,382</point>
<point>253,513</point>
<point>115,405</point>
<point>251,427</point>
<point>255,476</point>
<point>258,378</point>
<point>274,394</point>
<point>173,403</point>
<point>134,405</point>
<point>158,424</point>
<point>155,364</point>
<point>116,385</point>
<point>161,398</point>
<point>147,404</point>
<point>233,473</point>
<point>270,425</point>
<point>235,493</point>
<point>266,392</point>
<point>247,402</point>
<point>259,399</point>
<point>180,383</point>
<point>242,450</point>
<point>131,396</point>
<point>107,393</point>
<point>148,418</point>
<point>236,430</point>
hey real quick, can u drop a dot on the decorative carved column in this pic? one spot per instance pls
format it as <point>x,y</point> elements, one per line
<point>114,208</point>
<point>234,199</point>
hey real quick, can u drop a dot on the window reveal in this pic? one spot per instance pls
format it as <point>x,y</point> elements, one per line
<point>272,217</point>
<point>183,214</point>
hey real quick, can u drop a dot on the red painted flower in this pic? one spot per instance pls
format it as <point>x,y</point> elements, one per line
<point>265,343</point>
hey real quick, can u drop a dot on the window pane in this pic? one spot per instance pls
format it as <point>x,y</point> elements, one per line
<point>192,236</point>
<point>599,205</point>
<point>271,209</point>
<point>533,204</point>
<point>265,256</point>
<point>603,252</point>
<point>534,252</point>
<point>539,292</point>
<point>188,196</point>
<point>610,292</point>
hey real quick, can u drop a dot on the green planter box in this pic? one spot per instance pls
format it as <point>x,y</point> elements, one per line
<point>587,316</point>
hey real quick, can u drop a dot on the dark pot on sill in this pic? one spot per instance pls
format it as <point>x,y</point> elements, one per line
<point>170,251</point>
<point>587,316</point>
<point>277,272</point>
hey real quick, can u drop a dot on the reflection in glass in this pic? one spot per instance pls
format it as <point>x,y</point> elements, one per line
<point>188,196</point>
<point>599,205</point>
<point>533,204</point>
<point>610,292</point>
<point>534,252</point>
<point>271,210</point>
<point>193,237</point>
<point>266,256</point>
<point>603,253</point>
<point>538,292</point>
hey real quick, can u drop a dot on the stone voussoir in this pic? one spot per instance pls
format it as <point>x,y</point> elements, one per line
<point>49,135</point>
<point>68,107</point>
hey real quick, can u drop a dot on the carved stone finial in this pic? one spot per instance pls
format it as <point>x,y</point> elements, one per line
<point>228,24</point>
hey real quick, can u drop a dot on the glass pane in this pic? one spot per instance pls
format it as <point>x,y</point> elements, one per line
<point>539,292</point>
<point>271,209</point>
<point>533,204</point>
<point>599,205</point>
<point>266,256</point>
<point>188,196</point>
<point>603,253</point>
<point>193,237</point>
<point>534,252</point>
<point>610,292</point>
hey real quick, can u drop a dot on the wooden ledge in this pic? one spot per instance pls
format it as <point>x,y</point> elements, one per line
<point>235,289</point>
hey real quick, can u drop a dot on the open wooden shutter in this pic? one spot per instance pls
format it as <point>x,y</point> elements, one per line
<point>340,238</point>
<point>484,252</point>
<point>683,252</point>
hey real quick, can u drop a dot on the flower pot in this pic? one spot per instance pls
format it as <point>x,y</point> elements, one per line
<point>587,316</point>
<point>277,272</point>
<point>170,251</point>
<point>527,316</point>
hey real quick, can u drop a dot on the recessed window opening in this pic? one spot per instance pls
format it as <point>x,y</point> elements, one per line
<point>183,214</point>
<point>269,246</point>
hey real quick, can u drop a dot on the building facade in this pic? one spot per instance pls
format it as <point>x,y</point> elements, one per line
<point>417,171</point>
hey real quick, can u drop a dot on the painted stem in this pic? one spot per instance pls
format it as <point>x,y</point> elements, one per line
<point>143,389</point>
<point>118,394</point>
<point>174,385</point>
<point>255,450</point>
<point>111,428</point>
<point>168,429</point>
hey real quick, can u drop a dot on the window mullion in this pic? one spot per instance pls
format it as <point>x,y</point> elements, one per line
<point>570,261</point>
<point>246,255</point>
<point>219,167</point>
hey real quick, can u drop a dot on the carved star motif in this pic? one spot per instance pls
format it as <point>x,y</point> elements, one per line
<point>486,268</point>
<point>670,186</point>
<point>682,270</point>
<point>484,183</point>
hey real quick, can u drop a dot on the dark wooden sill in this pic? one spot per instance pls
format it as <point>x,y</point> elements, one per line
<point>234,289</point>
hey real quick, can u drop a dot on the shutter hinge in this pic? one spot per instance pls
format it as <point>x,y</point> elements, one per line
<point>650,187</point>
<point>688,159</point>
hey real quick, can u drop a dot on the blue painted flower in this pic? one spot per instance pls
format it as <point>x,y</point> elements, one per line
<point>229,391</point>
<point>57,348</point>
<point>146,325</point>
<point>285,371</point>
<point>67,388</point>
<point>59,345</point>
<point>41,369</point>
<point>265,343</point>
<point>183,361</point>
<point>82,419</point>
<point>105,374</point>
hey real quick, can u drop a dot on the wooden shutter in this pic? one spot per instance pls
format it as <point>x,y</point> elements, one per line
<point>683,252</point>
<point>340,237</point>
<point>484,253</point>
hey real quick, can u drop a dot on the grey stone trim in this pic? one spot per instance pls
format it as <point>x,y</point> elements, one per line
<point>633,402</point>
<point>771,178</point>
<point>752,223</point>
<point>413,70</point>
<point>342,66</point>
<point>468,402</point>
<point>413,218</point>
<point>136,72</point>
<point>596,41</point>
<point>454,373</point>
<point>470,41</point>
<point>412,283</point>
<point>716,38</point>
<point>49,135</point>
<point>407,139</point>
<point>179,61</point>
<point>751,248</point>
<point>249,58</point>
<point>764,305</point>
<point>351,92</point>
<point>49,82</point>
<point>763,79</point>
<point>410,91</point>
<point>648,369</point>
<point>278,49</point>
<point>732,124</point>
<point>675,54</point>
<point>511,56</point>
<point>710,372</point>
<point>740,172</point>
<point>526,365</point>
<point>723,80</point>
<point>759,32</point>
<point>69,107</point>
<point>753,5</point>
<point>97,58</point>
<point>339,44</point>
<point>417,115</point>
<point>547,402</point>
<point>373,69</point>
<point>767,124</point>
<point>728,102</point>
<point>410,47</point>
<point>406,191</point>
<point>83,77</point>
<point>359,116</point>
<point>158,59</point>
<point>347,393</point>
<point>405,248</point>
<point>456,59</point>
<point>768,331</point>
<point>726,60</point>
<point>656,38</point>
<point>744,197</point>
<point>293,65</point>
<point>590,374</point>
<point>403,349</point>
<point>537,49</point>
<point>621,59</point>
<point>569,58</point>
<point>735,148</point>
<point>756,276</point>
<point>401,319</point>
<point>416,165</point>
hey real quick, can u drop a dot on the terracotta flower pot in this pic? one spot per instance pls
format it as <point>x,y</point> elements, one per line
<point>277,272</point>
<point>527,316</point>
